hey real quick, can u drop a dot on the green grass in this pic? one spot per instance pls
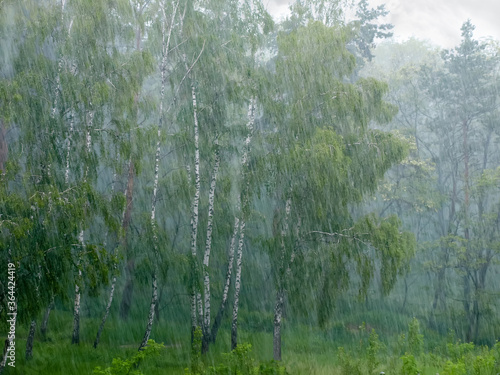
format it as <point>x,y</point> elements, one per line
<point>306,349</point>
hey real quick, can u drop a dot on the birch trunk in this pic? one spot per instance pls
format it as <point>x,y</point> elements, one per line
<point>75,339</point>
<point>113,282</point>
<point>225,292</point>
<point>151,317</point>
<point>4,149</point>
<point>280,292</point>
<point>29,341</point>
<point>154,296</point>
<point>128,290</point>
<point>194,220</point>
<point>206,258</point>
<point>106,314</point>
<point>245,194</point>
<point>45,321</point>
<point>237,287</point>
<point>4,359</point>
<point>278,313</point>
<point>76,313</point>
<point>195,294</point>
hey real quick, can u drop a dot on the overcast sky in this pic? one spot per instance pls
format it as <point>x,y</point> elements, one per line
<point>435,20</point>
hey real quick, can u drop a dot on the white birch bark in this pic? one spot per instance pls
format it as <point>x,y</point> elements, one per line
<point>154,295</point>
<point>245,193</point>
<point>151,317</point>
<point>237,287</point>
<point>225,292</point>
<point>194,218</point>
<point>208,246</point>
<point>280,292</point>
<point>113,282</point>
<point>195,292</point>
<point>76,312</point>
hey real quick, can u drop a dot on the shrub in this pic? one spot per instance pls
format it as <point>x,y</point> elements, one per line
<point>349,365</point>
<point>454,368</point>
<point>409,365</point>
<point>129,366</point>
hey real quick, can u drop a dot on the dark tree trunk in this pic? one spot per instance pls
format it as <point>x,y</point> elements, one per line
<point>45,321</point>
<point>29,342</point>
<point>130,268</point>
<point>106,314</point>
<point>3,147</point>
<point>278,313</point>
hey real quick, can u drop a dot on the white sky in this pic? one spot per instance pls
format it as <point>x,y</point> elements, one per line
<point>436,20</point>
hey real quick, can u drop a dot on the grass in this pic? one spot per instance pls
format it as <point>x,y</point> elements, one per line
<point>306,349</point>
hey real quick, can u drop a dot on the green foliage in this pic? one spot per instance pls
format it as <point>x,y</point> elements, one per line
<point>454,368</point>
<point>415,338</point>
<point>129,366</point>
<point>349,365</point>
<point>196,363</point>
<point>372,351</point>
<point>484,364</point>
<point>409,365</point>
<point>239,362</point>
<point>458,351</point>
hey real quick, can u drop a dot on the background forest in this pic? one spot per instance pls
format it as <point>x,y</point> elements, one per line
<point>259,197</point>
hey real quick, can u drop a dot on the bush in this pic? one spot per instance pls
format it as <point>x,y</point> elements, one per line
<point>239,362</point>
<point>129,366</point>
<point>454,368</point>
<point>349,365</point>
<point>409,365</point>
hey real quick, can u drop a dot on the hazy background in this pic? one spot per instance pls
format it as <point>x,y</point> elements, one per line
<point>435,20</point>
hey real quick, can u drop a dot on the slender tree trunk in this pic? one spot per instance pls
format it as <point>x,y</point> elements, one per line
<point>76,314</point>
<point>194,282</point>
<point>194,219</point>
<point>113,282</point>
<point>154,296</point>
<point>4,359</point>
<point>280,292</point>
<point>206,258</point>
<point>128,290</point>
<point>29,341</point>
<point>75,339</point>
<point>244,201</point>
<point>237,287</point>
<point>4,150</point>
<point>278,313</point>
<point>151,317</point>
<point>106,314</point>
<point>45,321</point>
<point>225,292</point>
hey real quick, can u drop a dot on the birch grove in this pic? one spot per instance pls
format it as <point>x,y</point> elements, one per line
<point>228,176</point>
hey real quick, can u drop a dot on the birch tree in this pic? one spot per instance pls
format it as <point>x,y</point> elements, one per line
<point>327,158</point>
